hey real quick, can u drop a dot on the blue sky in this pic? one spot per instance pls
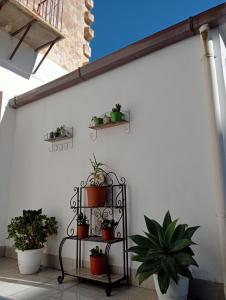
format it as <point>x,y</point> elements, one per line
<point>119,23</point>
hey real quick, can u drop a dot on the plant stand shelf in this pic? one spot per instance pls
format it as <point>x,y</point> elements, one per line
<point>96,239</point>
<point>116,208</point>
<point>84,273</point>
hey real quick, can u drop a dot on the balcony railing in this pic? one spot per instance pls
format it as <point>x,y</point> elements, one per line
<point>50,10</point>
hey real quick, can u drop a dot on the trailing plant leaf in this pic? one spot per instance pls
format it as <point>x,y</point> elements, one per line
<point>164,250</point>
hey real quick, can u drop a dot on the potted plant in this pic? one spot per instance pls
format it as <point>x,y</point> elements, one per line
<point>107,229</point>
<point>106,119</point>
<point>116,114</point>
<point>30,232</point>
<point>82,226</point>
<point>97,191</point>
<point>97,261</point>
<point>165,252</point>
<point>97,121</point>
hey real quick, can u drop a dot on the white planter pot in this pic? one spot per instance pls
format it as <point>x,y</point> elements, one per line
<point>175,291</point>
<point>29,261</point>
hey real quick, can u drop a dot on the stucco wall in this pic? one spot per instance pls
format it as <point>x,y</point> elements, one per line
<point>166,158</point>
<point>7,127</point>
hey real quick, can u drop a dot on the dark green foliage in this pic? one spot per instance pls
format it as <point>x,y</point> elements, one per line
<point>164,250</point>
<point>117,108</point>
<point>31,230</point>
<point>108,224</point>
<point>96,252</point>
<point>82,219</point>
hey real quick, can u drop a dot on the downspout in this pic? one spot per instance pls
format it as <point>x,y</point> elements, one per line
<point>216,133</point>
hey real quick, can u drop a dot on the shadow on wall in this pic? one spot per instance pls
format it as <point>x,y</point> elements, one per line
<point>7,131</point>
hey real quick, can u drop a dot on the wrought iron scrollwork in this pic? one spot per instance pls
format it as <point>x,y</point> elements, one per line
<point>74,205</point>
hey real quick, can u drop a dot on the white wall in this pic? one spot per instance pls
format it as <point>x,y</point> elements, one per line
<point>6,154</point>
<point>166,157</point>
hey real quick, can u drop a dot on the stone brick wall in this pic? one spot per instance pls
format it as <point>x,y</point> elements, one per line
<point>74,51</point>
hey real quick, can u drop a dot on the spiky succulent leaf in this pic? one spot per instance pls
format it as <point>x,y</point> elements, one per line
<point>150,226</point>
<point>149,266</point>
<point>141,240</point>
<point>169,233</point>
<point>167,221</point>
<point>180,244</point>
<point>169,266</point>
<point>184,272</point>
<point>163,281</point>
<point>143,276</point>
<point>190,231</point>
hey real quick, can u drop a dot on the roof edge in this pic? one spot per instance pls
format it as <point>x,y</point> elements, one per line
<point>171,35</point>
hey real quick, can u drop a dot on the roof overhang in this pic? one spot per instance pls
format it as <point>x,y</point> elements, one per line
<point>185,29</point>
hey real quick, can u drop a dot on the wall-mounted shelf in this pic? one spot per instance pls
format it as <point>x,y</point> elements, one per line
<point>61,142</point>
<point>103,126</point>
<point>125,123</point>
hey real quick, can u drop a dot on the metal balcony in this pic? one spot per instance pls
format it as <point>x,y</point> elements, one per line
<point>50,10</point>
<point>36,23</point>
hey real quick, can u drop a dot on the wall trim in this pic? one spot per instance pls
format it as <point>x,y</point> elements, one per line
<point>171,35</point>
<point>198,289</point>
<point>2,251</point>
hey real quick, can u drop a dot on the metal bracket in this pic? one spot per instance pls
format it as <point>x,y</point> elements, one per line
<point>27,27</point>
<point>47,52</point>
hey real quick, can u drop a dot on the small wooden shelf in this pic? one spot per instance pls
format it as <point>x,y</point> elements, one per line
<point>103,126</point>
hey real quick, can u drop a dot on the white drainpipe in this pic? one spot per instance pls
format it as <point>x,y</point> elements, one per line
<point>216,132</point>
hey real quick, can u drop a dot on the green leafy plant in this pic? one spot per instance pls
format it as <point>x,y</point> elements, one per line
<point>82,219</point>
<point>96,252</point>
<point>117,108</point>
<point>31,230</point>
<point>97,176</point>
<point>108,224</point>
<point>164,250</point>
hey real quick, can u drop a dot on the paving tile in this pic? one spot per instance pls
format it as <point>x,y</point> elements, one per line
<point>44,285</point>
<point>34,293</point>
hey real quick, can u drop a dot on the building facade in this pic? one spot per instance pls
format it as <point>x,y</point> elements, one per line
<point>173,157</point>
<point>68,22</point>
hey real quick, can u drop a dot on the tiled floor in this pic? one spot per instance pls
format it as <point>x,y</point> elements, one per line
<point>43,285</point>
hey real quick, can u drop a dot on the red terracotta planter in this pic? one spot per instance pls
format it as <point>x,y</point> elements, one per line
<point>97,265</point>
<point>107,234</point>
<point>96,195</point>
<point>82,231</point>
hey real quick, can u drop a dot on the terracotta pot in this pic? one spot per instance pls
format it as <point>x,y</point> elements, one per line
<point>107,234</point>
<point>96,195</point>
<point>82,231</point>
<point>97,265</point>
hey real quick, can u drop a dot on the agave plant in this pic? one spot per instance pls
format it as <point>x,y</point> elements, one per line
<point>164,250</point>
<point>97,176</point>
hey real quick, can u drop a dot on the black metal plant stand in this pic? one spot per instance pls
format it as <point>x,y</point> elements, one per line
<point>115,208</point>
